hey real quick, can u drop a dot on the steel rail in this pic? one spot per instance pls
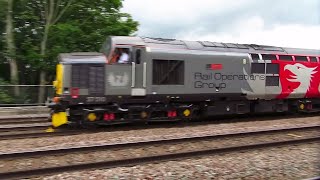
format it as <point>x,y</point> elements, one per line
<point>25,127</point>
<point>25,116</point>
<point>40,134</point>
<point>23,121</point>
<point>313,178</point>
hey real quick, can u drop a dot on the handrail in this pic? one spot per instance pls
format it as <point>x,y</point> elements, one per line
<point>144,74</point>
<point>133,74</point>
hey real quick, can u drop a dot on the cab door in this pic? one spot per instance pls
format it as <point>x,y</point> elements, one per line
<point>138,71</point>
<point>119,75</point>
<point>256,78</point>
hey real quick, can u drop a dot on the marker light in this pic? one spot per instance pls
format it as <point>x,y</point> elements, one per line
<point>74,92</point>
<point>108,117</point>
<point>172,113</point>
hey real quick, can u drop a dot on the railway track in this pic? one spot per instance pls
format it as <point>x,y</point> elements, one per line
<point>23,127</point>
<point>24,119</point>
<point>34,126</point>
<point>39,134</point>
<point>125,154</point>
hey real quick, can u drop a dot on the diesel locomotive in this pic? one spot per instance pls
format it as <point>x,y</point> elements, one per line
<point>170,79</point>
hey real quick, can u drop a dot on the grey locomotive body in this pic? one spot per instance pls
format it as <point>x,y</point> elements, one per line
<point>172,80</point>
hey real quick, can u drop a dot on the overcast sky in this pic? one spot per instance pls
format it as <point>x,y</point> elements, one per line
<point>291,23</point>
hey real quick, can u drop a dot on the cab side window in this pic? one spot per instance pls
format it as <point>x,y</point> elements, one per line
<point>121,56</point>
<point>138,56</point>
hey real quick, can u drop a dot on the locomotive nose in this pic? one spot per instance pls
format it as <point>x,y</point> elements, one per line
<point>58,116</point>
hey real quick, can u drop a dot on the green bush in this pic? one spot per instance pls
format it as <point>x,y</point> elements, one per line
<point>5,97</point>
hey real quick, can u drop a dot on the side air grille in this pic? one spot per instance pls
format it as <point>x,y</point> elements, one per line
<point>96,80</point>
<point>88,76</point>
<point>79,76</point>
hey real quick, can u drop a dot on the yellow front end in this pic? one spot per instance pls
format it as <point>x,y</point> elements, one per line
<point>59,79</point>
<point>59,116</point>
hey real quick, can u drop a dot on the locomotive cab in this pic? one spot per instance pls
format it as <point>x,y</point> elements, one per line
<point>126,70</point>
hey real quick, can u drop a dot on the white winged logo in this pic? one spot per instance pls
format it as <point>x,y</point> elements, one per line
<point>118,80</point>
<point>301,74</point>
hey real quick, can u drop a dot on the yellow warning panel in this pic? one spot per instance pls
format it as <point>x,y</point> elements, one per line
<point>59,78</point>
<point>59,119</point>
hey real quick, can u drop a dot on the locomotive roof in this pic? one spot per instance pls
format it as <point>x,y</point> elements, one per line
<point>210,46</point>
<point>82,57</point>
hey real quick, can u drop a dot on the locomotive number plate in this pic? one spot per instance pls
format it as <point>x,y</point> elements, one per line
<point>96,99</point>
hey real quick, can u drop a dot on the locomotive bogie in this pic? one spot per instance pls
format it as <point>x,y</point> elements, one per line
<point>132,113</point>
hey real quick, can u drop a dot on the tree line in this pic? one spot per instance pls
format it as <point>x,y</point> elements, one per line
<point>34,32</point>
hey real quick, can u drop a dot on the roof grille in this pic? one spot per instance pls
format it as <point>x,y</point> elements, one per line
<point>162,41</point>
<point>266,48</point>
<point>223,45</point>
